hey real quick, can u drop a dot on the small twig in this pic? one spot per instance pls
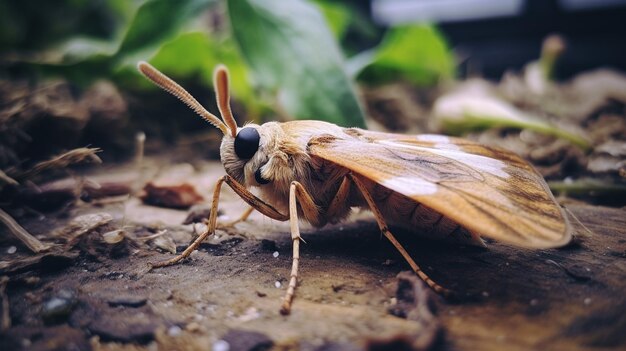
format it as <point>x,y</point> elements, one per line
<point>140,141</point>
<point>5,323</point>
<point>6,179</point>
<point>21,233</point>
<point>63,160</point>
<point>153,236</point>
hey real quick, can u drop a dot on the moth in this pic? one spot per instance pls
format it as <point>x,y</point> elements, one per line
<point>434,185</point>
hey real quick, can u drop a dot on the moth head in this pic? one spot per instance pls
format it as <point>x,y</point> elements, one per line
<point>241,150</point>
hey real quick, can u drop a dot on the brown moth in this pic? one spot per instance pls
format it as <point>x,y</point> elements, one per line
<point>434,185</point>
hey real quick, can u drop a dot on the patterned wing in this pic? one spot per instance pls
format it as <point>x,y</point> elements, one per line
<point>487,190</point>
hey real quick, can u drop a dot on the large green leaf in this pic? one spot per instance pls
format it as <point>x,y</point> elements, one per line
<point>337,15</point>
<point>293,54</point>
<point>416,53</point>
<point>156,20</point>
<point>194,55</point>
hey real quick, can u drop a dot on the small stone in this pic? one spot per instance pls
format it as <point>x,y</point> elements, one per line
<point>165,243</point>
<point>12,249</point>
<point>587,301</point>
<point>58,308</point>
<point>114,236</point>
<point>171,193</point>
<point>275,254</point>
<point>174,331</point>
<point>250,314</point>
<point>221,345</point>
<point>277,284</point>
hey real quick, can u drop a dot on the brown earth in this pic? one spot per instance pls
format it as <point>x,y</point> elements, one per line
<point>102,296</point>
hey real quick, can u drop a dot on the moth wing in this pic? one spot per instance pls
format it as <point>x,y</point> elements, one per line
<point>487,190</point>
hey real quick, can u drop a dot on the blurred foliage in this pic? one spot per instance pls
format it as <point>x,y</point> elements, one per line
<point>337,16</point>
<point>418,54</point>
<point>290,53</point>
<point>36,24</point>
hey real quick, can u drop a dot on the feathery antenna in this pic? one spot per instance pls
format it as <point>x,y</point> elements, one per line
<point>222,95</point>
<point>167,84</point>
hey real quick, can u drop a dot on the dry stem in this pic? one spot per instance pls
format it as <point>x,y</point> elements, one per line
<point>21,233</point>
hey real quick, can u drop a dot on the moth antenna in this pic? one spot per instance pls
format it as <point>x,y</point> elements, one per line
<point>167,84</point>
<point>222,95</point>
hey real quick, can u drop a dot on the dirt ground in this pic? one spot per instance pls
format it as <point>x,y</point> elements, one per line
<point>101,294</point>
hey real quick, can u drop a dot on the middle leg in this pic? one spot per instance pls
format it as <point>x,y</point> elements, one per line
<point>385,230</point>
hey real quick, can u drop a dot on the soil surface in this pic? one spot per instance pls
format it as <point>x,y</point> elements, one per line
<point>100,293</point>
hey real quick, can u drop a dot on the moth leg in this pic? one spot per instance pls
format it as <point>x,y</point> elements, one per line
<point>340,198</point>
<point>247,196</point>
<point>298,193</point>
<point>208,231</point>
<point>244,216</point>
<point>385,230</point>
<point>254,201</point>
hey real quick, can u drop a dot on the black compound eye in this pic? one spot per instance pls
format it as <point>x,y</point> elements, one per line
<point>247,143</point>
<point>259,178</point>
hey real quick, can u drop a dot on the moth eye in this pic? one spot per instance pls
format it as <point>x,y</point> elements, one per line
<point>259,178</point>
<point>247,143</point>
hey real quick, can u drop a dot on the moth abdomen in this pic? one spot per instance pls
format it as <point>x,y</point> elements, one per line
<point>404,212</point>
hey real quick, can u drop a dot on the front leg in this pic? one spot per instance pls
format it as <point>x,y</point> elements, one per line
<point>246,195</point>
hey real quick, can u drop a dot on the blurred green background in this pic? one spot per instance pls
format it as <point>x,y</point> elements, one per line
<point>294,53</point>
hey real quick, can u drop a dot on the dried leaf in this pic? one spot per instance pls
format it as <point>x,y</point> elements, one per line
<point>474,106</point>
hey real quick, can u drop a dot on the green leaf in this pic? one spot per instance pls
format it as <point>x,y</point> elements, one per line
<point>157,20</point>
<point>293,54</point>
<point>337,16</point>
<point>417,53</point>
<point>195,55</point>
<point>84,59</point>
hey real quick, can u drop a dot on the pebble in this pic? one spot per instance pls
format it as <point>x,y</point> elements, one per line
<point>250,314</point>
<point>277,284</point>
<point>12,249</point>
<point>59,307</point>
<point>275,254</point>
<point>221,345</point>
<point>174,331</point>
<point>587,301</point>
